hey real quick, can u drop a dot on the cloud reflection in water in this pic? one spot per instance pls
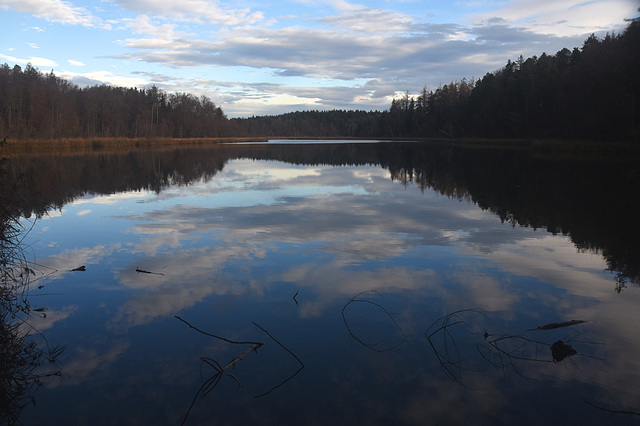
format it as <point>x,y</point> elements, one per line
<point>261,230</point>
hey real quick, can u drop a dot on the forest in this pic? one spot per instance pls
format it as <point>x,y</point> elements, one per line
<point>37,105</point>
<point>591,93</point>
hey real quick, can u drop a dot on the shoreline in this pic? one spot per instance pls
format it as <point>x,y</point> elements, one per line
<point>558,147</point>
<point>63,144</point>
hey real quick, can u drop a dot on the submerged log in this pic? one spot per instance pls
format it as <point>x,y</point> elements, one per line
<point>554,325</point>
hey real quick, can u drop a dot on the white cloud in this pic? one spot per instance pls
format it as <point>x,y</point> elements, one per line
<point>143,24</point>
<point>563,18</point>
<point>102,77</point>
<point>63,262</point>
<point>112,198</point>
<point>198,11</point>
<point>430,55</point>
<point>33,60</point>
<point>52,10</point>
<point>370,20</point>
<point>75,63</point>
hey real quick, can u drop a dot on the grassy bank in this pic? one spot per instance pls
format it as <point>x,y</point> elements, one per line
<point>73,144</point>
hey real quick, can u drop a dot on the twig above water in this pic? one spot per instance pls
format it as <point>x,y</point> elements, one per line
<point>142,271</point>
<point>372,346</point>
<point>218,337</point>
<point>503,351</point>
<point>213,381</point>
<point>633,413</point>
<point>447,351</point>
<point>292,354</point>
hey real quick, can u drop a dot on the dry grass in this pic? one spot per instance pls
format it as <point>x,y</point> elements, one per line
<point>75,144</point>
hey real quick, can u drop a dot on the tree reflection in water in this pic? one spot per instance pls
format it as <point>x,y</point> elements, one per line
<point>570,193</point>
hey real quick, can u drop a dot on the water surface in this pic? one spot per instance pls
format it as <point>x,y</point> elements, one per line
<point>387,283</point>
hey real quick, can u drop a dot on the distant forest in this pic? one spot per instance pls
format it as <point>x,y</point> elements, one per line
<point>591,92</point>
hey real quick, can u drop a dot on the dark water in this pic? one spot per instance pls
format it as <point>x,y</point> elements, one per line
<point>386,283</point>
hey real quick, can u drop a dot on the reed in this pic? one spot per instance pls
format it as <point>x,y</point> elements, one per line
<point>25,354</point>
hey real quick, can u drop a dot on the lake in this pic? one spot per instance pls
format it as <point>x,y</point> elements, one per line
<point>333,283</point>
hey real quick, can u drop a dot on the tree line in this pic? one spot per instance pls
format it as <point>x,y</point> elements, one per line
<point>333,123</point>
<point>592,92</point>
<point>38,105</point>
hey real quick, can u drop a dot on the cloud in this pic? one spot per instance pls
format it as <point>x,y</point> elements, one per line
<point>49,318</point>
<point>52,10</point>
<point>369,20</point>
<point>340,55</point>
<point>143,24</point>
<point>188,278</point>
<point>33,60</point>
<point>102,77</point>
<point>350,229</point>
<point>366,68</point>
<point>565,18</point>
<point>197,11</point>
<point>111,199</point>
<point>63,262</point>
<point>86,363</point>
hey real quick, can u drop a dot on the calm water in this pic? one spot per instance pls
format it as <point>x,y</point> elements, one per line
<point>388,283</point>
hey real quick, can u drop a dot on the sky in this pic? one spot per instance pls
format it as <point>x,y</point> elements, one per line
<point>255,57</point>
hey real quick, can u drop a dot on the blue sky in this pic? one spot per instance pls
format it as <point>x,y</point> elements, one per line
<point>255,57</point>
